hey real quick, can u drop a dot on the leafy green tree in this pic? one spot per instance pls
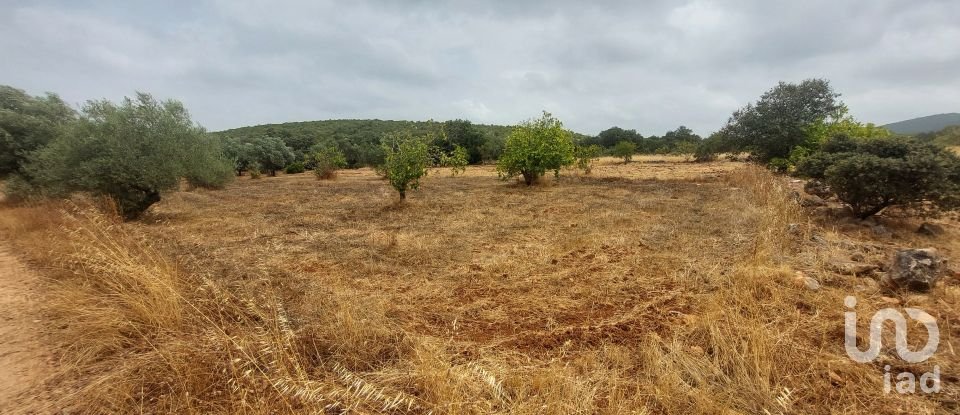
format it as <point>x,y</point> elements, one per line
<point>585,156</point>
<point>613,135</point>
<point>456,160</point>
<point>206,163</point>
<point>535,147</point>
<point>270,153</point>
<point>464,134</point>
<point>327,161</point>
<point>296,167</point>
<point>130,152</point>
<point>27,124</point>
<point>406,161</point>
<point>624,150</point>
<point>783,118</point>
<point>872,174</point>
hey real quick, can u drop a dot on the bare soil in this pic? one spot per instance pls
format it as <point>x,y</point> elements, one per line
<point>25,359</point>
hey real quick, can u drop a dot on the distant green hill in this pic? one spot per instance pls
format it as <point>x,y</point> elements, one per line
<point>924,124</point>
<point>360,139</point>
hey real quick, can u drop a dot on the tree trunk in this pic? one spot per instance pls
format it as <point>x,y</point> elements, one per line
<point>403,195</point>
<point>529,178</point>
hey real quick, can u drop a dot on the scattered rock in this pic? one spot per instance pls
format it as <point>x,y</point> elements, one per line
<point>810,283</point>
<point>867,284</point>
<point>881,230</point>
<point>930,229</point>
<point>817,188</point>
<point>818,239</point>
<point>915,269</point>
<point>812,201</point>
<point>832,211</point>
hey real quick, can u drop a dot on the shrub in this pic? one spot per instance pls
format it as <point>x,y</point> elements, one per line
<point>457,160</point>
<point>406,161</point>
<point>624,150</point>
<point>870,175</point>
<point>294,168</point>
<point>535,147</point>
<point>327,161</point>
<point>130,152</point>
<point>585,156</point>
<point>207,166</point>
<point>255,171</point>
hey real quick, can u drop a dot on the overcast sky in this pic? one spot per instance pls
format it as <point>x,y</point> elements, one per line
<point>648,65</point>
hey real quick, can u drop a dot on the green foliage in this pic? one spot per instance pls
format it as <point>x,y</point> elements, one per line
<point>535,147</point>
<point>947,137</point>
<point>206,164</point>
<point>130,152</point>
<point>624,150</point>
<point>295,168</point>
<point>360,140</point>
<point>872,174</point>
<point>685,148</point>
<point>270,153</point>
<point>463,134</point>
<point>255,170</point>
<point>785,117</point>
<point>406,161</point>
<point>456,160</point>
<point>585,155</point>
<point>326,162</point>
<point>27,124</point>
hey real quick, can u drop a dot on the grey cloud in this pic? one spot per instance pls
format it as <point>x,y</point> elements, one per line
<point>649,65</point>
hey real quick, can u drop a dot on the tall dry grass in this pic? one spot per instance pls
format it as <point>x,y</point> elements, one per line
<point>714,323</point>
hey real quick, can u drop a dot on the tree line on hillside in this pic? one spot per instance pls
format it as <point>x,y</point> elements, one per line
<point>135,150</point>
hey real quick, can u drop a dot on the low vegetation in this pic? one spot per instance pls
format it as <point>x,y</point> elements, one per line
<point>534,148</point>
<point>872,174</point>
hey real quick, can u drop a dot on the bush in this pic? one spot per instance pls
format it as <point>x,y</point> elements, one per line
<point>207,166</point>
<point>870,175</point>
<point>585,155</point>
<point>407,159</point>
<point>327,161</point>
<point>295,168</point>
<point>457,160</point>
<point>270,153</point>
<point>535,147</point>
<point>255,170</point>
<point>624,150</point>
<point>130,152</point>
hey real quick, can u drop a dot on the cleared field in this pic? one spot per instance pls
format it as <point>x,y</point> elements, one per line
<point>651,287</point>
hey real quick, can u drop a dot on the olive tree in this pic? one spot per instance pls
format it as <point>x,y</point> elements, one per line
<point>535,147</point>
<point>129,152</point>
<point>27,124</point>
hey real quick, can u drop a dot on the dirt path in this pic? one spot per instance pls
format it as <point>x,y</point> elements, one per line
<point>25,359</point>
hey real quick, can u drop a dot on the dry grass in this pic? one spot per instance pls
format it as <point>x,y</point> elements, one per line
<point>956,149</point>
<point>650,287</point>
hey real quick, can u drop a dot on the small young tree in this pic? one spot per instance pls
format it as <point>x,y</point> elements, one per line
<point>456,160</point>
<point>624,150</point>
<point>535,147</point>
<point>327,161</point>
<point>870,175</point>
<point>130,152</point>
<point>406,161</point>
<point>585,156</point>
